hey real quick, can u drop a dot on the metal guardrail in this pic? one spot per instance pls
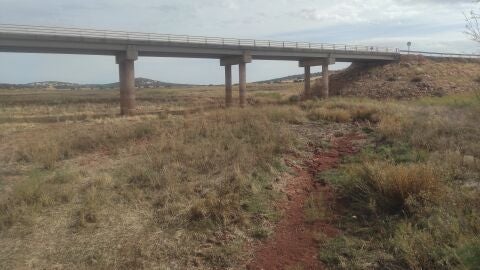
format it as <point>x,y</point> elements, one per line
<point>439,54</point>
<point>137,36</point>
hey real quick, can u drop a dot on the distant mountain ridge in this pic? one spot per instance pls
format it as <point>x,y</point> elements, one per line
<point>298,77</point>
<point>139,82</point>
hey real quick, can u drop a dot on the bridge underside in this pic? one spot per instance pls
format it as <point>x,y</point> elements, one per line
<point>128,51</point>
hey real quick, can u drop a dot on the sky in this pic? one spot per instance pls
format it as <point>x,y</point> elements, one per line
<point>431,25</point>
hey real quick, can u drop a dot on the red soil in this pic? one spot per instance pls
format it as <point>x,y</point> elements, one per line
<point>293,246</point>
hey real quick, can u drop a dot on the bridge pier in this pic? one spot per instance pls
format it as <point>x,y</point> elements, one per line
<point>126,66</point>
<point>324,62</point>
<point>307,92</point>
<point>228,86</point>
<point>242,84</point>
<point>326,81</point>
<point>241,61</point>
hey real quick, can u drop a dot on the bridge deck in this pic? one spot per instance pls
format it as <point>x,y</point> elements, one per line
<point>37,39</point>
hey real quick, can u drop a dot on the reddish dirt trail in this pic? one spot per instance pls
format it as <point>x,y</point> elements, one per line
<point>292,245</point>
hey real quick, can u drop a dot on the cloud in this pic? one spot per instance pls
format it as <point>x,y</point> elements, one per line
<point>430,24</point>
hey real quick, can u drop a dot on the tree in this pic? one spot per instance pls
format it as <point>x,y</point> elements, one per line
<point>473,25</point>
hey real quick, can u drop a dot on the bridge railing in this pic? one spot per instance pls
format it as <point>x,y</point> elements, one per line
<point>440,54</point>
<point>137,36</point>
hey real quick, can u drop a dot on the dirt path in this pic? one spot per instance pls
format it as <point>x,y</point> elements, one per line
<point>293,246</point>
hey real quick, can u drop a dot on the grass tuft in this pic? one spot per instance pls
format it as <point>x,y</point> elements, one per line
<point>388,188</point>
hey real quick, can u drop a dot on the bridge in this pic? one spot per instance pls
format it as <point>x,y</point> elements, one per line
<point>128,46</point>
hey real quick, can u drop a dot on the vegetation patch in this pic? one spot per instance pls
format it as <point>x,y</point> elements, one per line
<point>409,197</point>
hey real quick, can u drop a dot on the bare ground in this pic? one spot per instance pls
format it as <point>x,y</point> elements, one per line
<point>293,244</point>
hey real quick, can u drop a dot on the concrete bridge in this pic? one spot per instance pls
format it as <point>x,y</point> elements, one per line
<point>128,46</point>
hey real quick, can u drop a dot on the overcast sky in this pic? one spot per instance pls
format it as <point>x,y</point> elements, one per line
<point>433,25</point>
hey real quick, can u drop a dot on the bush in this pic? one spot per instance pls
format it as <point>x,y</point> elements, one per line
<point>387,188</point>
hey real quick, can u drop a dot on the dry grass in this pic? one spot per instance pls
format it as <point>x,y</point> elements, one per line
<point>388,188</point>
<point>144,192</point>
<point>350,110</point>
<point>315,208</point>
<point>188,190</point>
<point>55,145</point>
<point>37,191</point>
<point>412,196</point>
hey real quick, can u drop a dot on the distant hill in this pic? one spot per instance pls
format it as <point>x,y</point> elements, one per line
<point>296,78</point>
<point>139,82</point>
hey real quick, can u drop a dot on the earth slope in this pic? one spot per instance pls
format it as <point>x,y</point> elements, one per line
<point>412,76</point>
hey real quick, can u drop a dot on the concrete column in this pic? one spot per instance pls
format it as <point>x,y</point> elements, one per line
<point>127,87</point>
<point>326,81</point>
<point>307,88</point>
<point>242,83</point>
<point>126,67</point>
<point>228,86</point>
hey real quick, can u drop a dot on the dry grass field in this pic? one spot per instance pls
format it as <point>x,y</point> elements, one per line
<point>187,184</point>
